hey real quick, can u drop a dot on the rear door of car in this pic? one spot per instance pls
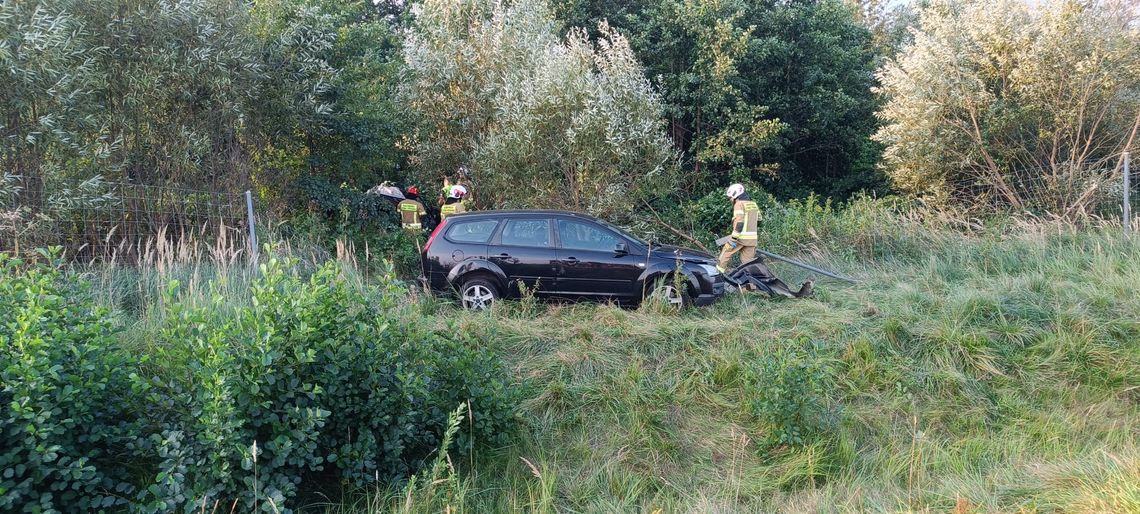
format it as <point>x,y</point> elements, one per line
<point>589,264</point>
<point>463,238</point>
<point>524,249</point>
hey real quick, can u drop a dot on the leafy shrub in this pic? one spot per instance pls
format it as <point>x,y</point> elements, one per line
<point>788,390</point>
<point>323,374</point>
<point>344,205</point>
<point>313,377</point>
<point>65,412</point>
<point>711,215</point>
<point>367,220</point>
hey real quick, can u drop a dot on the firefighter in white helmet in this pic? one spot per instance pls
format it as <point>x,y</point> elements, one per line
<point>745,218</point>
<point>454,202</point>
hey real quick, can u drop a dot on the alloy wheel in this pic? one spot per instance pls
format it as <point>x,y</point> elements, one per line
<point>669,295</point>
<point>477,297</point>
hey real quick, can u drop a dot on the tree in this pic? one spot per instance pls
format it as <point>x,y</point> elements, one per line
<point>146,91</point>
<point>694,48</point>
<point>889,23</point>
<point>1003,105</point>
<point>540,121</point>
<point>49,76</point>
<point>328,110</point>
<point>770,91</point>
<point>813,66</point>
<point>208,94</point>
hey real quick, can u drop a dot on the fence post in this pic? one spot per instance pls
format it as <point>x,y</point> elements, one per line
<point>252,230</point>
<point>1127,173</point>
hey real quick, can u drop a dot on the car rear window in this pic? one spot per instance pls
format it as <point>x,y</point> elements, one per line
<point>474,231</point>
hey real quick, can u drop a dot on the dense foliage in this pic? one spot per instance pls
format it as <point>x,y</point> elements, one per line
<point>1006,104</point>
<point>202,93</point>
<point>772,91</point>
<point>66,403</point>
<point>316,379</point>
<point>537,120</point>
<point>581,103</point>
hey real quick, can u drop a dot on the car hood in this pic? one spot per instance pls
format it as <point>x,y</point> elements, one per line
<point>685,254</point>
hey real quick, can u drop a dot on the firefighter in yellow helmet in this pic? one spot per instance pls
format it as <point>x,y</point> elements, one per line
<point>454,202</point>
<point>745,218</point>
<point>412,210</point>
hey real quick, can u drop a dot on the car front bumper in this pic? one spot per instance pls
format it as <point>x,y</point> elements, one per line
<point>712,288</point>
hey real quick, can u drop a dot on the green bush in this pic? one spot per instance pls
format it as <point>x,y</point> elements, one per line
<point>323,375</point>
<point>65,395</point>
<point>315,378</point>
<point>368,221</point>
<point>788,390</point>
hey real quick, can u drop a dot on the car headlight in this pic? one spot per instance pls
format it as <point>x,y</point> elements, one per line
<point>712,271</point>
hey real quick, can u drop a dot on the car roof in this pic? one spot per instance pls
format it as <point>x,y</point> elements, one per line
<point>522,212</point>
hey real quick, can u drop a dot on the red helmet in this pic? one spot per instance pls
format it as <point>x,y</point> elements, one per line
<point>413,190</point>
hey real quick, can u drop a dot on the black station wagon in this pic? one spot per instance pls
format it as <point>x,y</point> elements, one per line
<point>489,255</point>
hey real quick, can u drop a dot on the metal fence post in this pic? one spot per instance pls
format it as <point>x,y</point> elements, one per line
<point>1127,173</point>
<point>252,230</point>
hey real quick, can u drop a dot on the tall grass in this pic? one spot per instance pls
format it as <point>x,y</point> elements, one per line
<point>969,372</point>
<point>974,369</point>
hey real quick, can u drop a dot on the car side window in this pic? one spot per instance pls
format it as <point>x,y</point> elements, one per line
<point>474,231</point>
<point>532,233</point>
<point>576,235</point>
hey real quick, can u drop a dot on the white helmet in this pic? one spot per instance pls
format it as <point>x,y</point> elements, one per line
<point>734,191</point>
<point>457,191</point>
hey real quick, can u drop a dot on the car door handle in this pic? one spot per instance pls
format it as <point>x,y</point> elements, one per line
<point>507,257</point>
<point>570,260</point>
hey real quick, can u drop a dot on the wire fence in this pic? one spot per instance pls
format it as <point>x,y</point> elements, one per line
<point>99,220</point>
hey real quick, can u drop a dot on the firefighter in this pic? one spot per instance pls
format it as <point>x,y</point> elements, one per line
<point>454,202</point>
<point>412,211</point>
<point>445,190</point>
<point>745,217</point>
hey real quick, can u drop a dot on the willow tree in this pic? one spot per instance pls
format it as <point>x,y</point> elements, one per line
<point>1015,106</point>
<point>540,120</point>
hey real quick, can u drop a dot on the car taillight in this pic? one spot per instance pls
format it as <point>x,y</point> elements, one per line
<point>433,234</point>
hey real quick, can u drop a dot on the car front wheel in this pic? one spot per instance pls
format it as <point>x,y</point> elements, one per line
<point>478,294</point>
<point>669,295</point>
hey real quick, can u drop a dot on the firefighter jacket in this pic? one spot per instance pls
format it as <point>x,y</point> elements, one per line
<point>411,212</point>
<point>451,208</point>
<point>745,218</point>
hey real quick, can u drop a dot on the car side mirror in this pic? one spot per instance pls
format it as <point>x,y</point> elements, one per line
<point>621,249</point>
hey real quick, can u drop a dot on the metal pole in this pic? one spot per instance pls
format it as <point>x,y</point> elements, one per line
<point>805,266</point>
<point>1127,218</point>
<point>252,230</point>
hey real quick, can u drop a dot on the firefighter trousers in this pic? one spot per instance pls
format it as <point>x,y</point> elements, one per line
<point>733,247</point>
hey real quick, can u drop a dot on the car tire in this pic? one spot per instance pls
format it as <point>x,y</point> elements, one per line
<point>478,293</point>
<point>669,294</point>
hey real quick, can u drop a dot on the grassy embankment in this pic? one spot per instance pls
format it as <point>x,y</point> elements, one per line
<point>966,373</point>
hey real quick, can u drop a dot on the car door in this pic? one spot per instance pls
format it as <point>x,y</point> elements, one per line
<point>524,250</point>
<point>589,263</point>
<point>462,240</point>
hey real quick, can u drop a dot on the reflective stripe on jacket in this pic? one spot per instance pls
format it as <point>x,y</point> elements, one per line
<point>451,208</point>
<point>410,212</point>
<point>745,218</point>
